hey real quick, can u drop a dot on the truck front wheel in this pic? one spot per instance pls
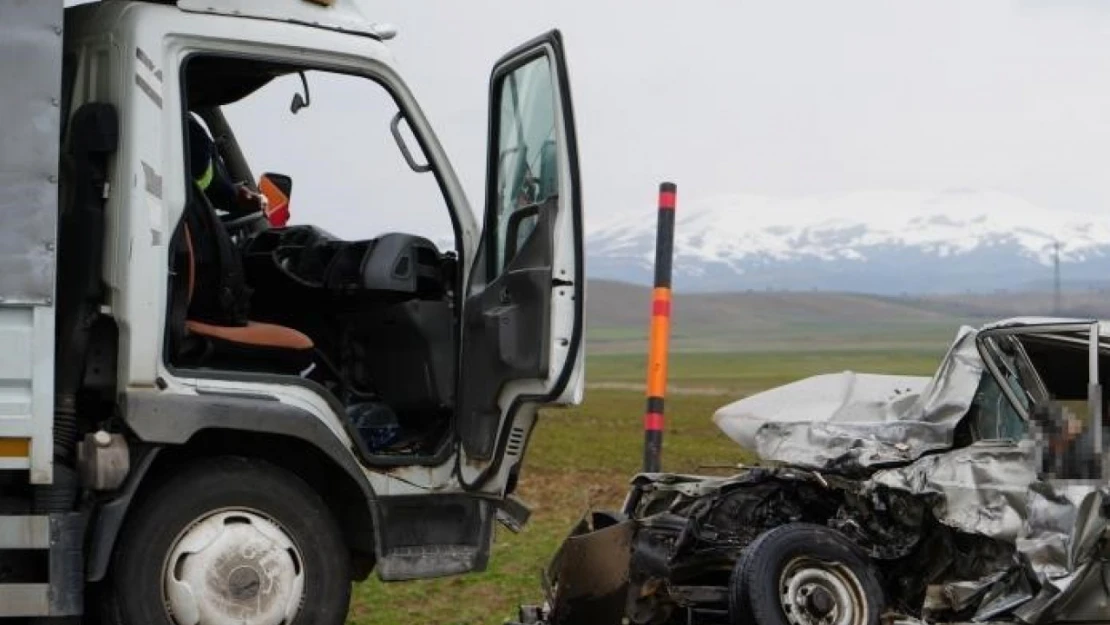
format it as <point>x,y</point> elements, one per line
<point>230,540</point>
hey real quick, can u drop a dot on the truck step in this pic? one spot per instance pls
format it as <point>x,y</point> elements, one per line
<point>53,587</point>
<point>24,600</point>
<point>24,532</point>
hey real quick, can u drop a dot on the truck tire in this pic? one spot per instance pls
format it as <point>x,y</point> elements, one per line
<point>230,540</point>
<point>804,574</point>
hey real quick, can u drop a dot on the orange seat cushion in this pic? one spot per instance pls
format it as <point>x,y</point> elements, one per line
<point>254,333</point>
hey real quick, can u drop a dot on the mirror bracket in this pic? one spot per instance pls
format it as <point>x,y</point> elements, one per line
<point>299,101</point>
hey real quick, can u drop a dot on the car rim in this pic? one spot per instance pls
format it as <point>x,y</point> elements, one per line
<point>816,592</point>
<point>233,568</point>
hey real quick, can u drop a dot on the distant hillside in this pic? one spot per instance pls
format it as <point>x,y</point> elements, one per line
<point>885,242</point>
<point>1093,303</point>
<point>618,315</point>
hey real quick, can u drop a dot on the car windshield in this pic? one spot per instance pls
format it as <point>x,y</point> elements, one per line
<point>1015,371</point>
<point>995,417</point>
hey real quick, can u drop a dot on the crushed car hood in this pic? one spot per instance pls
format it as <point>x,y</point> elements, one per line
<point>857,420</point>
<point>888,429</point>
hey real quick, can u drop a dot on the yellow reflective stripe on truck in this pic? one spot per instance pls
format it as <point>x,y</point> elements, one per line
<point>15,447</point>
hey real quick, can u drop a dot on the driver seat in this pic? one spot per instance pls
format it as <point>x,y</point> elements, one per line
<point>212,311</point>
<point>257,345</point>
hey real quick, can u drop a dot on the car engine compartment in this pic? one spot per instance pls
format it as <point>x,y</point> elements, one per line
<point>688,543</point>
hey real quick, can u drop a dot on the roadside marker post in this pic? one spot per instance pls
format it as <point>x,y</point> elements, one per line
<point>660,330</point>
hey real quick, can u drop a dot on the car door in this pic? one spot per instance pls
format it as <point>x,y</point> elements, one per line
<point>522,333</point>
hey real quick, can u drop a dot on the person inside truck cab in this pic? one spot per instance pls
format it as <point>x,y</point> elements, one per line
<point>213,301</point>
<point>210,174</point>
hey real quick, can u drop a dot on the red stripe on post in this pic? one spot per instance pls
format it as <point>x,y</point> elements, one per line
<point>661,308</point>
<point>653,422</point>
<point>666,200</point>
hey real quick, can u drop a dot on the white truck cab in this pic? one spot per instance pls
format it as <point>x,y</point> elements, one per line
<point>208,414</point>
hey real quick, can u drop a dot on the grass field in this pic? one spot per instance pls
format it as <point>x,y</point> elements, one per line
<point>775,322</point>
<point>583,458</point>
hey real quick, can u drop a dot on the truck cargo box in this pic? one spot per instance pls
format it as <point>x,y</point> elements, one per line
<point>30,102</point>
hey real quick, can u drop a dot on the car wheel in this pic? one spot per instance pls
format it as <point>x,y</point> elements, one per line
<point>804,574</point>
<point>231,540</point>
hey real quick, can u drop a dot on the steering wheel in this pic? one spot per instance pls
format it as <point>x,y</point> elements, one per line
<point>243,223</point>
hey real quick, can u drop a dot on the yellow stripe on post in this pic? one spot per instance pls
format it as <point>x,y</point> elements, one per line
<point>660,331</point>
<point>657,357</point>
<point>15,447</point>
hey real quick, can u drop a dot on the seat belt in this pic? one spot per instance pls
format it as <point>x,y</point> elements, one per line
<point>179,283</point>
<point>222,296</point>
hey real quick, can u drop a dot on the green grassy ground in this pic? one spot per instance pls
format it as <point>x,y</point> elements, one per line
<point>617,316</point>
<point>751,337</point>
<point>583,457</point>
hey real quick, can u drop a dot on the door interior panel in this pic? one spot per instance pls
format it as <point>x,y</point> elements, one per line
<point>506,328</point>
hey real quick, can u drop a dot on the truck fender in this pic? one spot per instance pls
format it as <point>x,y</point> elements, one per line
<point>109,517</point>
<point>164,419</point>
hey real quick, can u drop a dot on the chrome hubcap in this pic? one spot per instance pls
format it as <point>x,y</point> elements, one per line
<point>233,568</point>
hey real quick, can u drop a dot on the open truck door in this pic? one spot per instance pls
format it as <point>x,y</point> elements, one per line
<point>522,335</point>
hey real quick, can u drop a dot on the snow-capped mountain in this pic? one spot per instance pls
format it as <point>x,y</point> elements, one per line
<point>877,241</point>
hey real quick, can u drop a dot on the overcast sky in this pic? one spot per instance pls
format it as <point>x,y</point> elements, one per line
<point>730,96</point>
<point>789,98</point>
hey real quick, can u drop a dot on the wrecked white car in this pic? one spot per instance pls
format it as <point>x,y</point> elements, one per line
<point>977,495</point>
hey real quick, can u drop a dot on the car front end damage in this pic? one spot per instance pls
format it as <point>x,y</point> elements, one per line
<point>882,499</point>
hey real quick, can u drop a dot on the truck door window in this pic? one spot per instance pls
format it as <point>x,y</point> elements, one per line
<point>528,175</point>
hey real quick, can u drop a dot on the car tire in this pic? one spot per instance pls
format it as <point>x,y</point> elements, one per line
<point>230,539</point>
<point>798,574</point>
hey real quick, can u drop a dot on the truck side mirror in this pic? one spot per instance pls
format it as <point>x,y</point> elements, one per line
<point>277,188</point>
